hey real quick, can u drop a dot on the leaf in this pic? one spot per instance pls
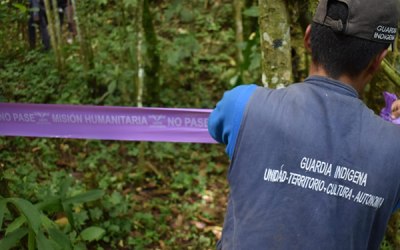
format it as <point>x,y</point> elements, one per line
<point>68,212</point>
<point>90,195</point>
<point>3,203</point>
<point>12,238</point>
<point>112,86</point>
<point>233,80</point>
<point>80,246</point>
<point>132,3</point>
<point>67,182</point>
<point>29,211</point>
<point>96,213</point>
<point>241,45</point>
<point>92,233</point>
<point>20,6</point>
<point>252,11</point>
<point>17,223</point>
<point>3,99</point>
<point>128,74</point>
<point>255,62</point>
<point>55,246</point>
<point>115,198</point>
<point>42,242</point>
<point>31,240</point>
<point>60,238</point>
<point>173,58</point>
<point>102,2</point>
<point>169,13</point>
<point>186,15</point>
<point>52,205</point>
<point>46,222</point>
<point>72,235</point>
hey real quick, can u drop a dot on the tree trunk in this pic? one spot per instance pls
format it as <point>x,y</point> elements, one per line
<point>237,12</point>
<point>87,56</point>
<point>76,19</point>
<point>140,74</point>
<point>274,20</point>
<point>140,70</point>
<point>57,29</point>
<point>83,53</point>
<point>51,29</point>
<point>125,55</point>
<point>152,68</point>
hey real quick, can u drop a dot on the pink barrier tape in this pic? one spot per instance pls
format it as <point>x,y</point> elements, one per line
<point>105,123</point>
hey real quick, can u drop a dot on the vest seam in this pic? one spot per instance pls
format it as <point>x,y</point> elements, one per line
<point>239,136</point>
<point>237,142</point>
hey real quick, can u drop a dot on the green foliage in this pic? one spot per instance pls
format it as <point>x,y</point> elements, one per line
<point>252,11</point>
<point>33,222</point>
<point>92,233</point>
<point>251,59</point>
<point>123,215</point>
<point>26,208</point>
<point>158,207</point>
<point>20,6</point>
<point>11,239</point>
<point>386,245</point>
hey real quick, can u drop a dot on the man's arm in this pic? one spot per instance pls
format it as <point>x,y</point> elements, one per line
<point>395,109</point>
<point>224,122</point>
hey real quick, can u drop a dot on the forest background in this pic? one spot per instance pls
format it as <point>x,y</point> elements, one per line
<point>91,194</point>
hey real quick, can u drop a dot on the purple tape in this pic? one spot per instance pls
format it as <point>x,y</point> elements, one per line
<point>105,123</point>
<point>387,111</point>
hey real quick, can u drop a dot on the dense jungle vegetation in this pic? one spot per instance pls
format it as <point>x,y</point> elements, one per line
<point>91,194</point>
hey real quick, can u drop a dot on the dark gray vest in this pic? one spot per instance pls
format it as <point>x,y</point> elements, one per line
<point>313,168</point>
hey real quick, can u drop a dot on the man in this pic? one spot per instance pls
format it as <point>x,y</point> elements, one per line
<point>311,166</point>
<point>65,8</point>
<point>38,16</point>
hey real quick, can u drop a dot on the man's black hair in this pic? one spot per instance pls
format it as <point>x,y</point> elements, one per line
<point>339,54</point>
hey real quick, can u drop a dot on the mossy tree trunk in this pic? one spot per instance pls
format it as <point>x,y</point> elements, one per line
<point>76,20</point>
<point>140,73</point>
<point>153,66</point>
<point>274,20</point>
<point>57,29</point>
<point>237,13</point>
<point>51,28</point>
<point>82,25</point>
<point>127,52</point>
<point>139,66</point>
<point>90,57</point>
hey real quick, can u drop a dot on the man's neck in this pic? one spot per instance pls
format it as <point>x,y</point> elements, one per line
<point>356,83</point>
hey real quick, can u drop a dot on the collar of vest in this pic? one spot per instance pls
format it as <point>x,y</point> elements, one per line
<point>332,84</point>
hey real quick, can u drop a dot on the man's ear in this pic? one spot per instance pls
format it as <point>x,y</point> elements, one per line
<point>376,63</point>
<point>307,39</point>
